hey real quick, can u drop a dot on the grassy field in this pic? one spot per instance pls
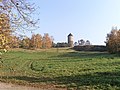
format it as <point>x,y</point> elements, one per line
<point>62,68</point>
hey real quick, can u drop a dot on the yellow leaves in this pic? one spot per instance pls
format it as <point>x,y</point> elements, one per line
<point>3,40</point>
<point>5,50</point>
<point>4,22</point>
<point>47,41</point>
<point>113,41</point>
<point>1,0</point>
<point>4,30</point>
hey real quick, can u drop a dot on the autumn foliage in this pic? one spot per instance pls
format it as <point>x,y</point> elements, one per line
<point>113,41</point>
<point>47,41</point>
<point>15,15</point>
<point>37,41</point>
<point>4,30</point>
<point>7,39</point>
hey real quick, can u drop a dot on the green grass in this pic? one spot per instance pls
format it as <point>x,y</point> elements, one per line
<point>62,68</point>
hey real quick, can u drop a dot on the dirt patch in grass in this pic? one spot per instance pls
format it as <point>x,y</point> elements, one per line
<point>9,86</point>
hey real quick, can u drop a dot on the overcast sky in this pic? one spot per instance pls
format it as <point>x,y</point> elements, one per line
<point>85,19</point>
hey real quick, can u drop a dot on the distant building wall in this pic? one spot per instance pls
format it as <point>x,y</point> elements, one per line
<point>63,44</point>
<point>100,48</point>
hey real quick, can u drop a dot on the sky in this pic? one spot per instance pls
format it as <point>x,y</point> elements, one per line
<point>85,19</point>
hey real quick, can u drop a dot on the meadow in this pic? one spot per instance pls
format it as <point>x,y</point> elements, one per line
<point>63,68</point>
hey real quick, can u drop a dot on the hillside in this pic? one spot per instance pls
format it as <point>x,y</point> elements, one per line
<point>61,68</point>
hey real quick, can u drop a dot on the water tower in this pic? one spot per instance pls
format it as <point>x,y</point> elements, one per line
<point>70,40</point>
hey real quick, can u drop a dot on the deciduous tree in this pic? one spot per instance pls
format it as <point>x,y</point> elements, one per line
<point>25,43</point>
<point>36,41</point>
<point>15,15</point>
<point>113,41</point>
<point>47,41</point>
<point>4,30</point>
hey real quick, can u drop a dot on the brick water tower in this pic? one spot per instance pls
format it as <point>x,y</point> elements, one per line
<point>70,40</point>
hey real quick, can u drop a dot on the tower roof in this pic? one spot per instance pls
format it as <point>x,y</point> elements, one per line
<point>70,35</point>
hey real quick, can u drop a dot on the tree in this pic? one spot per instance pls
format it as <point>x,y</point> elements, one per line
<point>113,41</point>
<point>81,42</point>
<point>15,42</point>
<point>118,41</point>
<point>32,41</point>
<point>75,44</point>
<point>47,41</point>
<point>4,30</point>
<point>36,41</point>
<point>19,12</point>
<point>87,42</point>
<point>15,15</point>
<point>25,43</point>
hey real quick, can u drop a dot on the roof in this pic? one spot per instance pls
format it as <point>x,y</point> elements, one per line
<point>70,34</point>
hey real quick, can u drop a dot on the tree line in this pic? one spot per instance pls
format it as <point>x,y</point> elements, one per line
<point>9,40</point>
<point>16,16</point>
<point>37,41</point>
<point>82,42</point>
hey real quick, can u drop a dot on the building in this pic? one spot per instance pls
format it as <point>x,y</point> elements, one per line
<point>70,40</point>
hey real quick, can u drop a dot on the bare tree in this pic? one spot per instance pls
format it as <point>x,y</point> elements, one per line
<point>19,13</point>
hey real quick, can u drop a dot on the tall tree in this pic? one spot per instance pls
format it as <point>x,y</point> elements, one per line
<point>25,43</point>
<point>15,42</point>
<point>36,41</point>
<point>113,40</point>
<point>15,15</point>
<point>47,41</point>
<point>4,30</point>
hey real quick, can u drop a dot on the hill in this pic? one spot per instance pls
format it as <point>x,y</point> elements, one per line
<point>61,68</point>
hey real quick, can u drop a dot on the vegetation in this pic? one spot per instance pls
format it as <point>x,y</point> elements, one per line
<point>35,42</point>
<point>113,41</point>
<point>4,30</point>
<point>62,68</point>
<point>20,13</point>
<point>15,15</point>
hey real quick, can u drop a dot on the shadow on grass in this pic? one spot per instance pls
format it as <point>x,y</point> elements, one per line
<point>95,79</point>
<point>89,55</point>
